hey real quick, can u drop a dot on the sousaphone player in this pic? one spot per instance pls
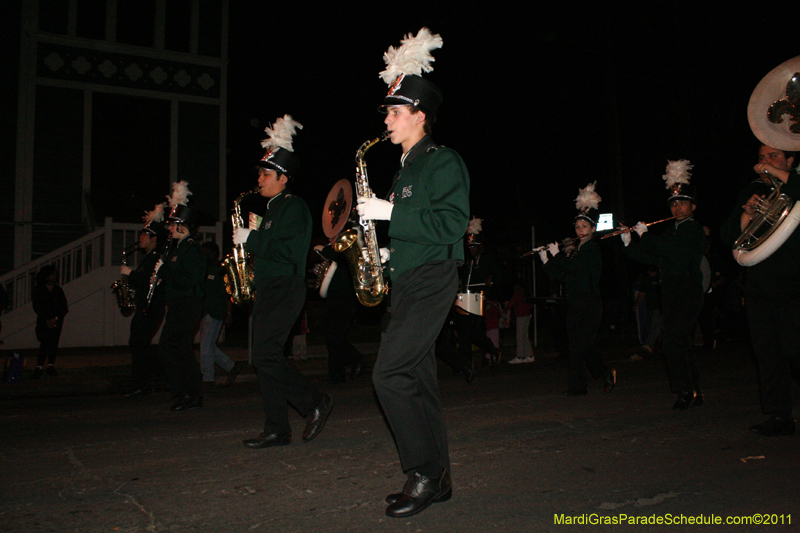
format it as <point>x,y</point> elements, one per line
<point>772,287</point>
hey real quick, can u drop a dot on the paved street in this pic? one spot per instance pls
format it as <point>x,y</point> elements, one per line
<point>523,455</point>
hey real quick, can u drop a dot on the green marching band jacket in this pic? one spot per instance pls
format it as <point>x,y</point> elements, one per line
<point>581,272</point>
<point>184,271</point>
<point>280,246</point>
<point>431,208</point>
<point>677,251</point>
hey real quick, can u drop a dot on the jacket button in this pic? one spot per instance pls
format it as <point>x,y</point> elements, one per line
<point>392,250</point>
<point>391,268</point>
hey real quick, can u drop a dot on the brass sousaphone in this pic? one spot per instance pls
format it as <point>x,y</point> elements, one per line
<point>335,215</point>
<point>774,116</point>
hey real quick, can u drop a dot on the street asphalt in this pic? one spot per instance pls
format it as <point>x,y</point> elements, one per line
<point>78,456</point>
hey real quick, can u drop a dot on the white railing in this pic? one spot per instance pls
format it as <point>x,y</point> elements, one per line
<point>102,247</point>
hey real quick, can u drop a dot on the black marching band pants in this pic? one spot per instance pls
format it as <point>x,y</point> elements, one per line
<point>775,334</point>
<point>680,308</point>
<point>175,347</point>
<point>144,354</point>
<point>405,370</point>
<point>277,305</point>
<point>584,316</point>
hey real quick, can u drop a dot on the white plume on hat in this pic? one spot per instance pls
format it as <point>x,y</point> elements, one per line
<point>280,133</point>
<point>156,215</point>
<point>413,57</point>
<point>678,173</point>
<point>474,226</point>
<point>180,193</point>
<point>587,198</point>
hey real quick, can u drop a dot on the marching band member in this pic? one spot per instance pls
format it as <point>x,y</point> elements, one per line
<point>144,325</point>
<point>428,211</point>
<point>581,273</point>
<point>772,285</point>
<point>678,252</point>
<point>279,246</point>
<point>183,275</point>
<point>772,294</point>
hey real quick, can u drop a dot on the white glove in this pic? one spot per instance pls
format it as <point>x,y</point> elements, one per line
<point>125,270</point>
<point>543,256</point>
<point>553,248</point>
<point>640,229</point>
<point>626,238</point>
<point>374,209</point>
<point>318,248</point>
<point>240,235</point>
<point>385,254</point>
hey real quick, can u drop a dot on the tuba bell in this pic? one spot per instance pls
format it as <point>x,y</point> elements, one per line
<point>775,121</point>
<point>238,272</point>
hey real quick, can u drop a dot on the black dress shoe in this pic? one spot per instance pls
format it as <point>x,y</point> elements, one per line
<point>494,360</point>
<point>699,399</point>
<point>316,419</point>
<point>685,400</point>
<point>187,402</point>
<point>391,498</point>
<point>577,392</point>
<point>775,425</point>
<point>609,380</point>
<point>238,366</point>
<point>469,372</point>
<point>267,440</point>
<point>357,369</point>
<point>419,493</point>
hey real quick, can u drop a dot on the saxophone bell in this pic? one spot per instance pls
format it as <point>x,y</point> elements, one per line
<point>360,244</point>
<point>237,267</point>
<point>122,289</point>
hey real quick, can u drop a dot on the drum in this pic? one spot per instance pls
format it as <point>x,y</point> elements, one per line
<point>471,302</point>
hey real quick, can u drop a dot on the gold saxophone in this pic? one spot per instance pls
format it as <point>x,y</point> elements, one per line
<point>238,272</point>
<point>123,291</point>
<point>360,245</point>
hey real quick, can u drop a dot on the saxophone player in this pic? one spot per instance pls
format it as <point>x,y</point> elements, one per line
<point>280,245</point>
<point>427,213</point>
<point>144,354</point>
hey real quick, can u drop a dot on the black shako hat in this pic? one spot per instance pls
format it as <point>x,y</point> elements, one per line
<point>180,212</point>
<point>683,192</point>
<point>280,160</point>
<point>677,178</point>
<point>154,221</point>
<point>280,155</point>
<point>587,203</point>
<point>403,74</point>
<point>415,91</point>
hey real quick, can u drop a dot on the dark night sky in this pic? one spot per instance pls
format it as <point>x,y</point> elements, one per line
<point>538,100</point>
